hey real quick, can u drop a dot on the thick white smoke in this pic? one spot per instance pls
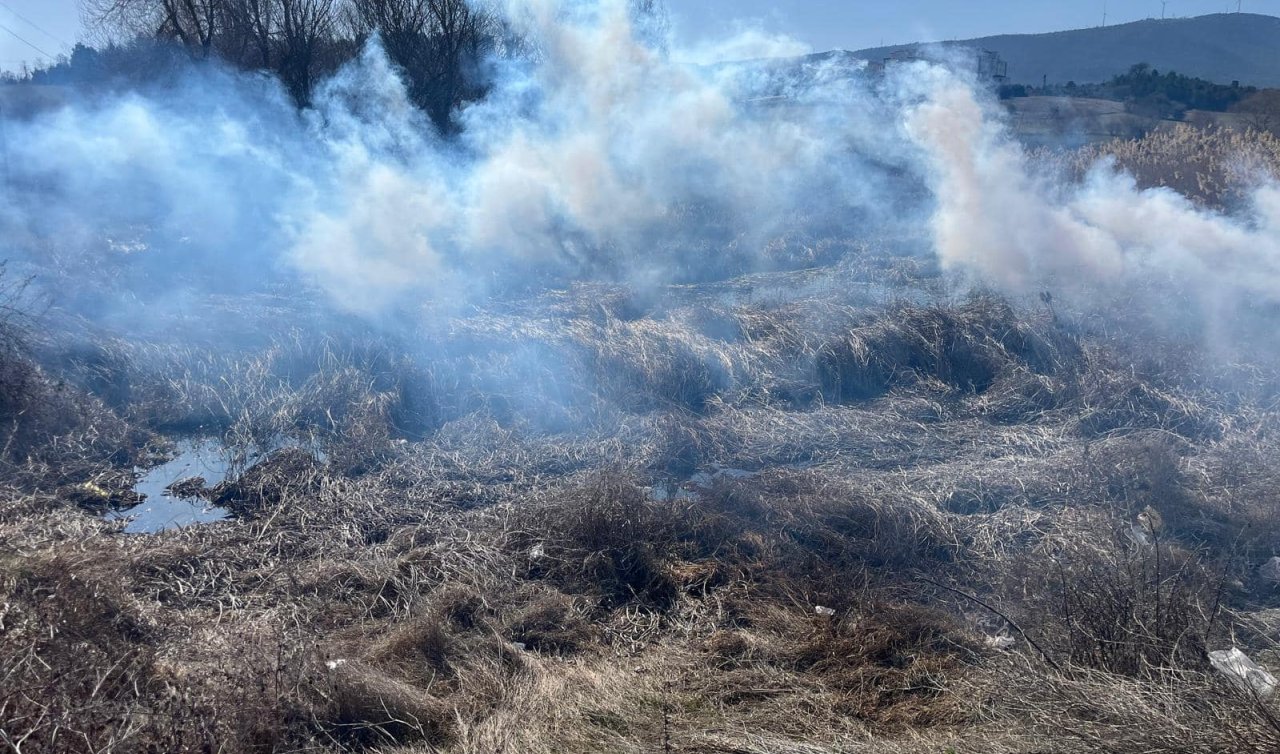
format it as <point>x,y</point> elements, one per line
<point>604,156</point>
<point>1012,228</point>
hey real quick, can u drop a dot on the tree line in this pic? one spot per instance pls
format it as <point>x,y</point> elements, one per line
<point>439,46</point>
<point>1147,91</point>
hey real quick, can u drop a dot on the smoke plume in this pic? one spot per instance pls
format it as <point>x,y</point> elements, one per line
<point>603,156</point>
<point>999,221</point>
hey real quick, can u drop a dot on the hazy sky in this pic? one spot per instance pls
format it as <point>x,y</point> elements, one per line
<point>52,26</point>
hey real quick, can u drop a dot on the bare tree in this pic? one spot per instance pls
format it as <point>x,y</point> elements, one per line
<point>304,27</point>
<point>284,36</point>
<point>249,31</point>
<point>1260,111</point>
<point>194,23</point>
<point>438,44</point>
<point>401,24</point>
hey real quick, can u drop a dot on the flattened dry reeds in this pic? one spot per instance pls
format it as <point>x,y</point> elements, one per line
<point>966,348</point>
<point>596,521</point>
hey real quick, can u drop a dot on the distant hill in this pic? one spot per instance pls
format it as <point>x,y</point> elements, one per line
<point>1224,47</point>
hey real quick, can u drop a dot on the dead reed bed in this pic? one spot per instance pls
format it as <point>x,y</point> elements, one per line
<point>1212,165</point>
<point>767,516</point>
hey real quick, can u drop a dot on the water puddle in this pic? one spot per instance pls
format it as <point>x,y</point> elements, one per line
<point>166,508</point>
<point>175,491</point>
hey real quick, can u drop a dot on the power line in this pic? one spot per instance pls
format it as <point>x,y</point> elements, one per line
<point>20,38</point>
<point>32,24</point>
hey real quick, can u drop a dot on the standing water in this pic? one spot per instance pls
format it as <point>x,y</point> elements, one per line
<point>164,508</point>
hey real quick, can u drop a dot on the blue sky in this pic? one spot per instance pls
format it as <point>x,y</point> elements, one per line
<point>854,24</point>
<point>52,26</point>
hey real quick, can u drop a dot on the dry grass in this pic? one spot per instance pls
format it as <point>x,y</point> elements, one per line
<point>596,522</point>
<point>1212,165</point>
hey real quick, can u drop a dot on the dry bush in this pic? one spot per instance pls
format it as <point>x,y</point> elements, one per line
<point>604,537</point>
<point>1236,507</point>
<point>84,671</point>
<point>553,623</point>
<point>357,396</point>
<point>44,422</point>
<point>52,434</point>
<point>1114,398</point>
<point>1121,599</point>
<point>370,706</point>
<point>285,475</point>
<point>888,664</point>
<point>812,532</point>
<point>427,673</point>
<point>650,364</point>
<point>683,444</point>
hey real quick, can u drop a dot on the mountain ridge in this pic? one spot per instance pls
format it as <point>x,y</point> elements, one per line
<point>1221,47</point>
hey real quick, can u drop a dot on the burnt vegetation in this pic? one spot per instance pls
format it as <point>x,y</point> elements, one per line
<point>697,522</point>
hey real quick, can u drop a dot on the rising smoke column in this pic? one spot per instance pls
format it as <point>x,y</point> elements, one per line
<point>607,157</point>
<point>998,222</point>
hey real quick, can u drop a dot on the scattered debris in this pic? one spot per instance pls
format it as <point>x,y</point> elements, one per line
<point>1243,672</point>
<point>1003,643</point>
<point>1270,570</point>
<point>825,611</point>
<point>1139,535</point>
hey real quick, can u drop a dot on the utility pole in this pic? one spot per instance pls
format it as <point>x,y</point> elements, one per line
<point>1104,15</point>
<point>1164,6</point>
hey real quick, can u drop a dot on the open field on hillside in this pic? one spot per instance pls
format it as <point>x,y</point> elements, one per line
<point>857,508</point>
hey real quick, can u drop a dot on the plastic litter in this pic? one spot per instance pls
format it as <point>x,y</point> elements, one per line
<point>1243,672</point>
<point>824,611</point>
<point>335,664</point>
<point>1002,642</point>
<point>1139,535</point>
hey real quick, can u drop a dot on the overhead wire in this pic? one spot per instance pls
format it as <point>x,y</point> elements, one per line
<point>23,40</point>
<point>32,24</point>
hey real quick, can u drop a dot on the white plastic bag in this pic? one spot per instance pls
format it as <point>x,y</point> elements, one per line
<point>1244,673</point>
